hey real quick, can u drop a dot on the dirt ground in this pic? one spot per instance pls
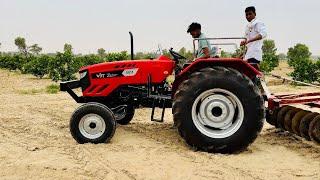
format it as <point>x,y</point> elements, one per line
<point>35,142</point>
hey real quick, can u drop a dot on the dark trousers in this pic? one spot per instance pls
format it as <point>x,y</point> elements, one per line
<point>253,61</point>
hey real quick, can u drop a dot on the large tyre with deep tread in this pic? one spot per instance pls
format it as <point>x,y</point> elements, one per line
<point>225,83</point>
<point>125,119</point>
<point>92,123</point>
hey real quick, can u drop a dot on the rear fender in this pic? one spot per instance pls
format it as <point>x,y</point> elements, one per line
<point>237,64</point>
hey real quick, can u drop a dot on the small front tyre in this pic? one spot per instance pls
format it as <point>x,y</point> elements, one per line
<point>92,123</point>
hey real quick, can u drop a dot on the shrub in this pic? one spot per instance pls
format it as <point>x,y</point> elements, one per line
<point>38,66</point>
<point>270,61</point>
<point>307,71</point>
<point>52,89</point>
<point>62,67</point>
<point>12,62</point>
<point>298,54</point>
<point>270,58</point>
<point>123,55</point>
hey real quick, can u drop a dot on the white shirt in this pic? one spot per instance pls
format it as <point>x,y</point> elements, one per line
<point>254,49</point>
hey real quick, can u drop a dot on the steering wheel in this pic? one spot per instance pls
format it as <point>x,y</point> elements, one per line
<point>176,56</point>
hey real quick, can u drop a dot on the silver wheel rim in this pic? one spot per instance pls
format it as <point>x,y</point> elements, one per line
<point>92,126</point>
<point>217,113</point>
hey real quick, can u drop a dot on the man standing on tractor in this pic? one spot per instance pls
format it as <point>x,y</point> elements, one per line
<point>204,48</point>
<point>255,32</point>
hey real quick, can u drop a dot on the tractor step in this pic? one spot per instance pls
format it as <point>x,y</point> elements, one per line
<point>162,100</point>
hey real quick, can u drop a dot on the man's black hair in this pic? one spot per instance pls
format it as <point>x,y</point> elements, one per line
<point>251,8</point>
<point>194,26</point>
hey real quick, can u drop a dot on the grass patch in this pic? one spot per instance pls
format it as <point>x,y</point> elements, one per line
<point>53,89</point>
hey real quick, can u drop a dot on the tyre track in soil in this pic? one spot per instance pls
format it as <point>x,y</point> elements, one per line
<point>143,130</point>
<point>82,152</point>
<point>300,147</point>
<point>87,152</point>
<point>27,142</point>
<point>79,154</point>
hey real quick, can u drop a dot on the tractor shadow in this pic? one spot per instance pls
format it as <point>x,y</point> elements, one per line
<point>164,133</point>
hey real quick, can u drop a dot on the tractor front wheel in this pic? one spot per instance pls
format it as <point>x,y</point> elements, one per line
<point>218,110</point>
<point>92,123</point>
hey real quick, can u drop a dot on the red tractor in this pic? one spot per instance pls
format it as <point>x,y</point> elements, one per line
<point>216,103</point>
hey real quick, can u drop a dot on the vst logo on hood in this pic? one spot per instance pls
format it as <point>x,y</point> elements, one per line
<point>126,73</point>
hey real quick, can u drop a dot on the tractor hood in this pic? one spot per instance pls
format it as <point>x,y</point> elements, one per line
<point>125,64</point>
<point>128,72</point>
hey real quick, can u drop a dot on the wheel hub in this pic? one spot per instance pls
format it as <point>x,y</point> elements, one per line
<point>217,113</point>
<point>92,126</point>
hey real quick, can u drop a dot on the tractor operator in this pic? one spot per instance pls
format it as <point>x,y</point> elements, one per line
<point>255,32</point>
<point>204,48</point>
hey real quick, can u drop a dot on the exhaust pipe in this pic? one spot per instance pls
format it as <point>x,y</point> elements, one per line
<point>131,42</point>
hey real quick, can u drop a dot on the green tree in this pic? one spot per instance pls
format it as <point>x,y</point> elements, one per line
<point>35,49</point>
<point>67,48</point>
<point>307,72</point>
<point>63,67</point>
<point>39,65</point>
<point>101,52</point>
<point>269,47</point>
<point>270,58</point>
<point>304,69</point>
<point>187,54</point>
<point>298,54</point>
<point>20,42</point>
<point>117,56</point>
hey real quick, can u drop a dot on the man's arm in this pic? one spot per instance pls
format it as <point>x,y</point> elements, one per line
<point>206,53</point>
<point>261,28</point>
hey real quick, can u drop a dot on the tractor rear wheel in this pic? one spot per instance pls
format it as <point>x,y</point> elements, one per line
<point>92,123</point>
<point>218,110</point>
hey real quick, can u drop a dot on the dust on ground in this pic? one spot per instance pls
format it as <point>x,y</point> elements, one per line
<point>36,143</point>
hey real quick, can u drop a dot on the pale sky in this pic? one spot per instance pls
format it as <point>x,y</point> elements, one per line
<point>92,24</point>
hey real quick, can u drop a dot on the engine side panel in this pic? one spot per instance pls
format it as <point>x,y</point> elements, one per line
<point>106,77</point>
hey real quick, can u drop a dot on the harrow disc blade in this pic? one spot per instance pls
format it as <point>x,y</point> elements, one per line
<point>271,117</point>
<point>296,121</point>
<point>314,130</point>
<point>304,125</point>
<point>280,116</point>
<point>288,119</point>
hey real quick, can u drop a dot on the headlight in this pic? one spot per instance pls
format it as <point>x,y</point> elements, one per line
<point>83,74</point>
